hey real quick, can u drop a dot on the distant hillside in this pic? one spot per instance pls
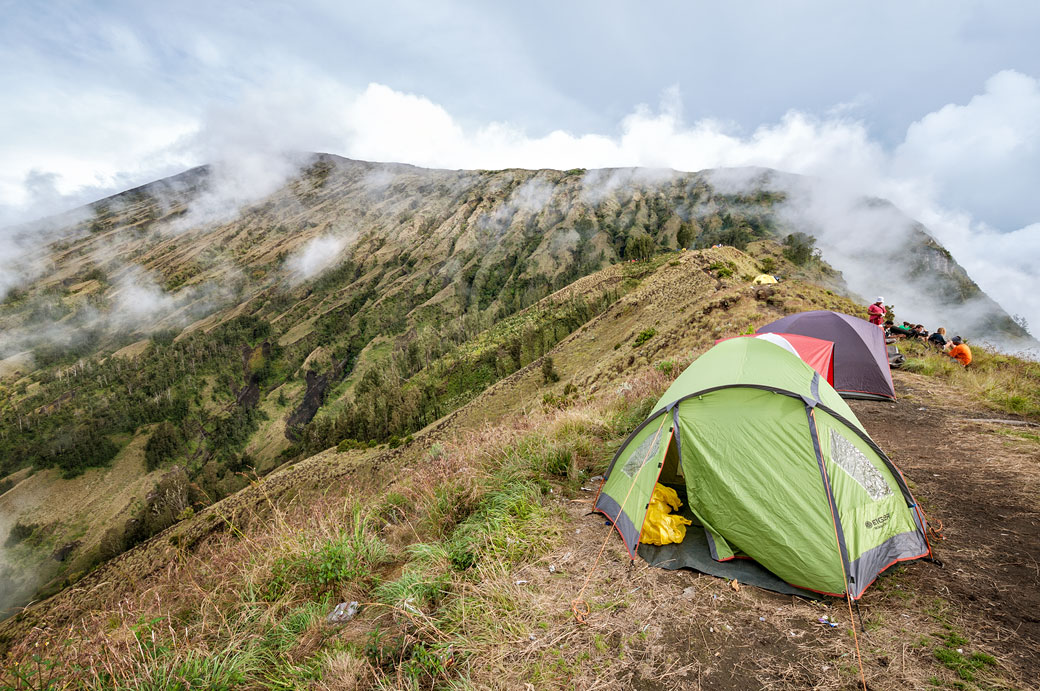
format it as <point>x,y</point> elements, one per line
<point>181,338</point>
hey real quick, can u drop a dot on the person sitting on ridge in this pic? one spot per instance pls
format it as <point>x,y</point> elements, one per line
<point>896,331</point>
<point>876,312</point>
<point>938,339</point>
<point>959,350</point>
<point>919,332</point>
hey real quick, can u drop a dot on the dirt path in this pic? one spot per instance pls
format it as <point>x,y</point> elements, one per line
<point>985,488</point>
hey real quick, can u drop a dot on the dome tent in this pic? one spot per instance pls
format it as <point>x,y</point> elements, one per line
<point>860,359</point>
<point>775,467</point>
<point>764,279</point>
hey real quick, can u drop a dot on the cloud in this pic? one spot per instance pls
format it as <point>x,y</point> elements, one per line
<point>137,299</point>
<point>317,255</point>
<point>599,183</point>
<point>134,305</point>
<point>532,196</point>
<point>858,236</point>
<point>983,156</point>
<point>965,170</point>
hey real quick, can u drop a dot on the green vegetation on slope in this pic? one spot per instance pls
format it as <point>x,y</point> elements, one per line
<point>416,559</point>
<point>1002,382</point>
<point>71,418</point>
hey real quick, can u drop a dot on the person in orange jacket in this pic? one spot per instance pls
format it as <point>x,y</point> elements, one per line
<point>959,350</point>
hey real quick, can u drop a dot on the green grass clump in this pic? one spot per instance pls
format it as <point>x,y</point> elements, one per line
<point>930,366</point>
<point>394,507</point>
<point>665,367</point>
<point>348,556</point>
<point>508,525</point>
<point>964,665</point>
<point>644,336</point>
<point>535,456</point>
<point>1018,434</point>
<point>418,586</point>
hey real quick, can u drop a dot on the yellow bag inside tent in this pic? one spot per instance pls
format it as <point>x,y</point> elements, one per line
<point>661,526</point>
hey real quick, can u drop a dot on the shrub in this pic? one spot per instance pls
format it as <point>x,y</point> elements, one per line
<point>722,270</point>
<point>350,445</point>
<point>767,265</point>
<point>549,374</point>
<point>644,336</point>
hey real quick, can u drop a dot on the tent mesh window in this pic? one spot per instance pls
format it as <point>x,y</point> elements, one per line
<point>852,461</point>
<point>642,453</point>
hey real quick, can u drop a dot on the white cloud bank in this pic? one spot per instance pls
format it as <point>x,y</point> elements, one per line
<point>967,171</point>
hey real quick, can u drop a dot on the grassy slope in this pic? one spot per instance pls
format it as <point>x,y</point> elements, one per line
<point>472,540</point>
<point>75,511</point>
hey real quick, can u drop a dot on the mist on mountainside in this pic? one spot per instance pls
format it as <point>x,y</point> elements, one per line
<point>877,249</point>
<point>880,251</point>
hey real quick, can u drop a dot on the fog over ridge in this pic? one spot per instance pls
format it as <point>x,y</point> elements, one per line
<point>924,176</point>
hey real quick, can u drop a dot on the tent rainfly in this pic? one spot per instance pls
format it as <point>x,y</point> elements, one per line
<point>860,359</point>
<point>816,353</point>
<point>775,466</point>
<point>763,279</point>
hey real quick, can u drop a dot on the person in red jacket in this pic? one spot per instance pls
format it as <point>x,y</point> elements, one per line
<point>877,312</point>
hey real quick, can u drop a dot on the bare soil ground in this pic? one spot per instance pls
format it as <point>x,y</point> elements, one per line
<point>985,488</point>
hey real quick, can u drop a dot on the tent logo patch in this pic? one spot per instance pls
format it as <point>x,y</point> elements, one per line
<point>878,522</point>
<point>852,461</point>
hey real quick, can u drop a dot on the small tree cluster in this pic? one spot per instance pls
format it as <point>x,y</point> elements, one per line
<point>165,443</point>
<point>799,248</point>
<point>640,246</point>
<point>549,374</point>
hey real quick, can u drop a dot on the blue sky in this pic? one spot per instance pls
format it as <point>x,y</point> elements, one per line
<point>934,105</point>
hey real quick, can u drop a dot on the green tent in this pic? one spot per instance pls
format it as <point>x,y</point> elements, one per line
<point>775,467</point>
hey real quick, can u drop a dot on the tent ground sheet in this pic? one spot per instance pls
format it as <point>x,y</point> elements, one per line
<point>693,553</point>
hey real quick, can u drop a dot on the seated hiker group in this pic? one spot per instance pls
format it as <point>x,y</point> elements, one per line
<point>954,347</point>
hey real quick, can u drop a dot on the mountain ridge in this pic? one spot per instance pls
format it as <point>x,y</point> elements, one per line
<point>179,326</point>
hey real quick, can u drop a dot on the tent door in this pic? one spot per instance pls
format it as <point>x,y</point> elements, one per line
<point>671,470</point>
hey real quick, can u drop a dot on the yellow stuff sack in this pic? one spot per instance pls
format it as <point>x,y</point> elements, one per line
<point>662,527</point>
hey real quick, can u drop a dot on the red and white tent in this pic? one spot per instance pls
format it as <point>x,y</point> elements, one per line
<point>815,352</point>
